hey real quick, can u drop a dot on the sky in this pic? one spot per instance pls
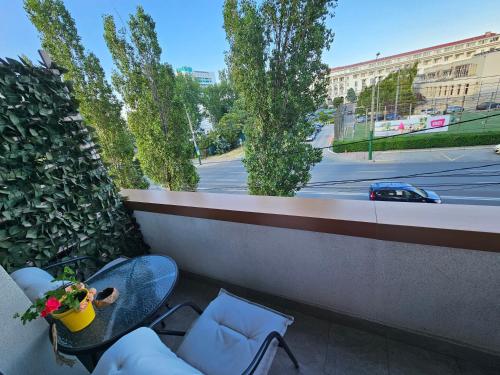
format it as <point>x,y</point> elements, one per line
<point>190,32</point>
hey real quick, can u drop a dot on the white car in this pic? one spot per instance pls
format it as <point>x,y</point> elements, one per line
<point>497,149</point>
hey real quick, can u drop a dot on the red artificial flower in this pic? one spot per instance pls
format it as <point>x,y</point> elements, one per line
<point>52,304</point>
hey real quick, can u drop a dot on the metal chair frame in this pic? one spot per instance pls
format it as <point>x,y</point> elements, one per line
<point>258,356</point>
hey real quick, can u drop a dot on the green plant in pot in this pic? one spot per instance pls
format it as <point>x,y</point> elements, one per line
<point>72,304</point>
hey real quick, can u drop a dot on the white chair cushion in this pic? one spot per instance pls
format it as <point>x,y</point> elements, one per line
<point>35,282</point>
<point>141,353</point>
<point>226,337</point>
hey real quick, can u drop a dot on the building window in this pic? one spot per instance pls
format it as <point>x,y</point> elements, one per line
<point>458,89</point>
<point>461,71</point>
<point>445,90</point>
<point>451,90</point>
<point>494,39</point>
<point>440,87</point>
<point>466,91</point>
<point>437,60</point>
<point>446,58</point>
<point>471,44</point>
<point>459,55</point>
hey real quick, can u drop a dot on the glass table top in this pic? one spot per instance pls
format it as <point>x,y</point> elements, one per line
<point>144,284</point>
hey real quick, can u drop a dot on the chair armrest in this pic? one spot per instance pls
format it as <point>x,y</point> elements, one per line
<point>192,305</point>
<point>69,261</point>
<point>263,348</point>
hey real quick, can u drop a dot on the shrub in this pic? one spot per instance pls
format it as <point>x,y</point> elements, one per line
<point>419,141</point>
<point>55,193</point>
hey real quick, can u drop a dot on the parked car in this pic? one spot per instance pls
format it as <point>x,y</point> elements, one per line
<point>454,109</point>
<point>487,105</point>
<point>401,192</point>
<point>312,136</point>
<point>392,116</point>
<point>430,111</point>
<point>360,119</point>
<point>497,149</point>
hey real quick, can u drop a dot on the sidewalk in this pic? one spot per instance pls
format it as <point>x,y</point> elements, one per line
<point>235,154</point>
<point>450,154</point>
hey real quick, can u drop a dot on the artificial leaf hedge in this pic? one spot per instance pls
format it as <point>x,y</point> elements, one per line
<point>55,193</point>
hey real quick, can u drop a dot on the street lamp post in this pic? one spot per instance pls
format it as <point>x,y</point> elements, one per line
<point>370,142</point>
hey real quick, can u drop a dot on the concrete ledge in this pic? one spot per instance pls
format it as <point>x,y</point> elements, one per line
<point>455,226</point>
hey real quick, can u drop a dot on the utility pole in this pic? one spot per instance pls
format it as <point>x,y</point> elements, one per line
<point>378,97</point>
<point>194,137</point>
<point>479,93</point>
<point>397,96</point>
<point>370,142</point>
<point>366,121</point>
<point>496,92</point>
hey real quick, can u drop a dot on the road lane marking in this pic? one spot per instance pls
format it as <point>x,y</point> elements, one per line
<point>450,158</point>
<point>456,197</point>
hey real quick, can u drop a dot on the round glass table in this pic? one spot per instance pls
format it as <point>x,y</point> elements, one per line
<point>144,285</point>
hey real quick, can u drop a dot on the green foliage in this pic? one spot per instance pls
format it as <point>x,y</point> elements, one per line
<point>55,193</point>
<point>190,95</point>
<point>351,95</point>
<point>387,92</point>
<point>275,64</point>
<point>325,118</point>
<point>228,132</point>
<point>338,101</point>
<point>218,99</point>
<point>156,116</point>
<point>99,106</point>
<point>419,141</point>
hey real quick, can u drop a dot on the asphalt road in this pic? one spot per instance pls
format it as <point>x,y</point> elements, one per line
<point>337,176</point>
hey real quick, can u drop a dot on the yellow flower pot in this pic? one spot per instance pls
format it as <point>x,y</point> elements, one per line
<point>76,320</point>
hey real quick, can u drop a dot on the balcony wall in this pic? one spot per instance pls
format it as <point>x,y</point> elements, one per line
<point>427,269</point>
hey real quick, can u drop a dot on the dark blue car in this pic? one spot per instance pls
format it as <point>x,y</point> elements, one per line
<point>392,116</point>
<point>401,192</point>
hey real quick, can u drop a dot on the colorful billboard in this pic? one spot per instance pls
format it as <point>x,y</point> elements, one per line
<point>424,123</point>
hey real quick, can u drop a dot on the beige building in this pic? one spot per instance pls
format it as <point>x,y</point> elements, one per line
<point>453,54</point>
<point>465,83</point>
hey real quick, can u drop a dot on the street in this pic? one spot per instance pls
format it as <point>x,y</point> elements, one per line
<point>337,176</point>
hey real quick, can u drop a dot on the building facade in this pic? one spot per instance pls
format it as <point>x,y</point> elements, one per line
<point>204,78</point>
<point>465,83</point>
<point>454,55</point>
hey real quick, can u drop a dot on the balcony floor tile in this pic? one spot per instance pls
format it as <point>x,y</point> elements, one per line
<point>325,348</point>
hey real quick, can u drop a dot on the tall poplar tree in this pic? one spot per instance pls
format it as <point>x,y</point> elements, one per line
<point>156,112</point>
<point>99,106</point>
<point>275,64</point>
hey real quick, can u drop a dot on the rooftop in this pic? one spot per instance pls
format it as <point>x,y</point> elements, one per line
<point>472,39</point>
